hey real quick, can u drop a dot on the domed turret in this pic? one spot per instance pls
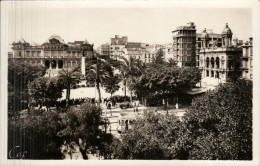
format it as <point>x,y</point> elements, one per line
<point>205,38</point>
<point>227,36</point>
<point>227,30</point>
<point>204,34</point>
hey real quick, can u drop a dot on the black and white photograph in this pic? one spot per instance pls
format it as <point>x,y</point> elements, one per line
<point>130,83</point>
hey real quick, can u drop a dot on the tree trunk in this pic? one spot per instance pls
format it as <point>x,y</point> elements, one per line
<point>125,87</point>
<point>98,82</point>
<point>131,98</point>
<point>99,93</point>
<point>68,95</point>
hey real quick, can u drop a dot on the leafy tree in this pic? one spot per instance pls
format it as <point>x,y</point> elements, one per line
<point>153,136</point>
<point>69,77</point>
<point>20,73</point>
<point>172,62</point>
<point>112,83</point>
<point>82,123</point>
<point>220,123</point>
<point>162,80</point>
<point>34,134</point>
<point>45,91</point>
<point>159,57</point>
<point>41,133</point>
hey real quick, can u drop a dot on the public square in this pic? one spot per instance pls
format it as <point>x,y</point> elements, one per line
<point>129,83</point>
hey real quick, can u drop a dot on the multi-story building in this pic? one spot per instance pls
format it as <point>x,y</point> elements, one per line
<point>104,50</point>
<point>168,51</point>
<point>184,45</point>
<point>247,59</point>
<point>117,47</point>
<point>214,39</point>
<point>219,63</point>
<point>142,51</point>
<point>55,54</point>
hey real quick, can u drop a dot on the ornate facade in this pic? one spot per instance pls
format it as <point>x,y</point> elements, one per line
<point>54,54</point>
<point>219,63</point>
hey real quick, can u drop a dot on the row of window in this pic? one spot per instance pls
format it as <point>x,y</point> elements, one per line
<point>181,45</point>
<point>212,62</point>
<point>54,64</point>
<point>148,55</point>
<point>212,74</point>
<point>247,51</point>
<point>183,58</point>
<point>183,40</point>
<point>184,52</point>
<point>183,32</point>
<point>245,63</point>
<point>33,53</point>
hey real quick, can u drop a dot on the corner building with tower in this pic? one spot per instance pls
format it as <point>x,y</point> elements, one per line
<point>218,64</point>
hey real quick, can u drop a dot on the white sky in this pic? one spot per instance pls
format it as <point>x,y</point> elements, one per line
<point>36,22</point>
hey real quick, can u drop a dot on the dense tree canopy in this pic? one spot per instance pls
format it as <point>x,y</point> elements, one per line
<point>160,80</point>
<point>112,83</point>
<point>20,73</point>
<point>45,91</point>
<point>222,119</point>
<point>153,136</point>
<point>41,133</point>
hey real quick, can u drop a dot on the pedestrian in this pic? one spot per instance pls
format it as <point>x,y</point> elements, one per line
<point>126,125</point>
<point>176,106</point>
<point>137,105</point>
<point>109,107</point>
<point>134,106</point>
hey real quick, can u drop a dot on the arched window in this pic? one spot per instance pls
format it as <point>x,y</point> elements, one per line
<point>47,64</point>
<point>212,73</point>
<point>207,62</point>
<point>217,76</point>
<point>73,64</point>
<point>217,62</point>
<point>69,64</point>
<point>53,64</point>
<point>60,64</point>
<point>212,62</point>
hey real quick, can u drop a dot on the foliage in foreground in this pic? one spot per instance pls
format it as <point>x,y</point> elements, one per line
<point>220,123</point>
<point>218,126</point>
<point>41,133</point>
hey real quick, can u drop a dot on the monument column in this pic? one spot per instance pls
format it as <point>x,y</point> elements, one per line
<point>83,66</point>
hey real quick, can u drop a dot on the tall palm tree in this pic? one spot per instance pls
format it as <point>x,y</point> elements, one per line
<point>112,83</point>
<point>69,77</point>
<point>129,68</point>
<point>99,72</point>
